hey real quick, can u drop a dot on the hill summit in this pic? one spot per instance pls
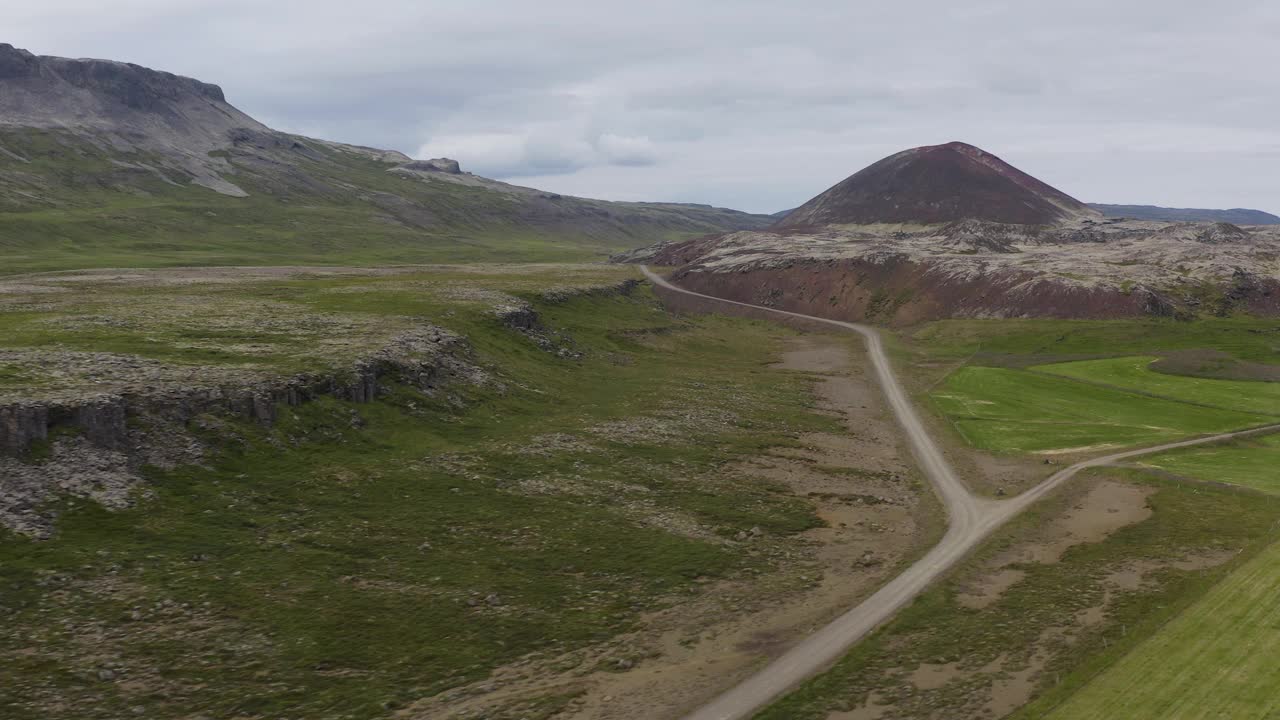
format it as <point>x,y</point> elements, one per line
<point>939,184</point>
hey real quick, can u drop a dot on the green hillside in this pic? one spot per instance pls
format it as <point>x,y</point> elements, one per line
<point>72,200</point>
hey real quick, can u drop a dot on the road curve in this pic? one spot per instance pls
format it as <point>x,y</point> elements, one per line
<point>970,520</point>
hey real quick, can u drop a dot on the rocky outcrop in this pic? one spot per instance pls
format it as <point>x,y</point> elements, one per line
<point>126,109</point>
<point>560,295</point>
<point>129,85</point>
<point>442,165</point>
<point>128,430</point>
<point>521,317</point>
<point>422,359</point>
<point>22,424</point>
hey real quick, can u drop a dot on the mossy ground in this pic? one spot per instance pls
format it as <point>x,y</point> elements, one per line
<point>355,558</point>
<point>275,320</point>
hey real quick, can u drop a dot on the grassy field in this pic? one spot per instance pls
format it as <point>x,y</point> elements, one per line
<point>355,558</point>
<point>1035,386</point>
<point>1056,623</point>
<point>1133,373</point>
<point>1218,659</point>
<point>991,380</point>
<point>1037,341</point>
<point>1252,463</point>
<point>200,228</point>
<point>1009,410</point>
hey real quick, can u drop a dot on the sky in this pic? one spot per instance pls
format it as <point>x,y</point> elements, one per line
<point>751,104</point>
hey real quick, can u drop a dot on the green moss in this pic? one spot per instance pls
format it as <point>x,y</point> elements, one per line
<point>368,556</point>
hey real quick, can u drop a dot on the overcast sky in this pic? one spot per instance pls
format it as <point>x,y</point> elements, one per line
<point>753,104</point>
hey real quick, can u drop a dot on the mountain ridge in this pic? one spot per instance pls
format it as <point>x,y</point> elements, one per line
<point>131,157</point>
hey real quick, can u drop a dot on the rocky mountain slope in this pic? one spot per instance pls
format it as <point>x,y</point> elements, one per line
<point>1237,216</point>
<point>939,183</point>
<point>108,163</point>
<point>876,248</point>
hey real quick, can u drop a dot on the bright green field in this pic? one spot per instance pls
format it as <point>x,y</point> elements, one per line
<point>1133,373</point>
<point>1218,659</point>
<point>1242,337</point>
<point>1254,463</point>
<point>1010,410</point>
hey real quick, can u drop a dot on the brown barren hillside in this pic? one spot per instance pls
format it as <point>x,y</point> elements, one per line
<point>937,184</point>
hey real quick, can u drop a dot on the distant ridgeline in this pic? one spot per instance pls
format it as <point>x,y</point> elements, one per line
<point>1235,216</point>
<point>150,168</point>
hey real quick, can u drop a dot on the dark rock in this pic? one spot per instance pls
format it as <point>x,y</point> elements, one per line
<point>443,165</point>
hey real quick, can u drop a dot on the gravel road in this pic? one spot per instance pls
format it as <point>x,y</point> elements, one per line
<point>970,520</point>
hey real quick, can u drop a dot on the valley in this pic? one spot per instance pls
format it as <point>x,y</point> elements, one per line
<point>427,513</point>
<point>297,428</point>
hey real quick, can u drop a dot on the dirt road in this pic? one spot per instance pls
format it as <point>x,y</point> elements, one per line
<point>970,520</point>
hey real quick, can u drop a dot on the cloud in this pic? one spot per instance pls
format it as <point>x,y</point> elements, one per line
<point>543,151</point>
<point>746,103</point>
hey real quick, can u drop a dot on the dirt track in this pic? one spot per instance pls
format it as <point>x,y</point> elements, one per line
<point>970,520</point>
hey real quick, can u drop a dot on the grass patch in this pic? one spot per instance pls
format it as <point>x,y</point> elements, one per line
<point>1245,338</point>
<point>1036,615</point>
<point>1134,373</point>
<point>1008,410</point>
<point>1251,463</point>
<point>1217,659</point>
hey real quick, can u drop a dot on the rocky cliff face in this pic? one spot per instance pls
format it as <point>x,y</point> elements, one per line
<point>96,445</point>
<point>127,108</point>
<point>51,85</point>
<point>95,418</point>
